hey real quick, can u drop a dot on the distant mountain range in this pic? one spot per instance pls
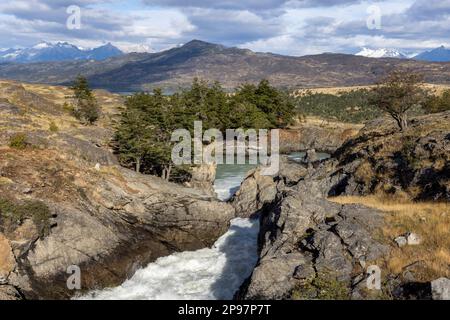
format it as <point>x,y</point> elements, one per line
<point>175,68</point>
<point>440,54</point>
<point>381,53</point>
<point>60,51</point>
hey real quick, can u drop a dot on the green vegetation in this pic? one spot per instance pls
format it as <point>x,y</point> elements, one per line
<point>18,141</point>
<point>437,103</point>
<point>53,127</point>
<point>324,287</point>
<point>143,134</point>
<point>399,92</point>
<point>85,107</point>
<point>351,107</point>
<point>14,214</point>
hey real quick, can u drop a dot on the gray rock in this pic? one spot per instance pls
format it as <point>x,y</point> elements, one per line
<point>256,190</point>
<point>114,222</point>
<point>203,177</point>
<point>413,239</point>
<point>8,292</point>
<point>273,277</point>
<point>401,241</point>
<point>440,289</point>
<point>332,240</point>
<point>310,156</point>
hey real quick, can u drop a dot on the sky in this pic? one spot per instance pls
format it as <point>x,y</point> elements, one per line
<point>292,27</point>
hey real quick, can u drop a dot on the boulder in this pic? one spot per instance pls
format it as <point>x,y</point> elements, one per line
<point>9,293</point>
<point>440,289</point>
<point>401,241</point>
<point>413,239</point>
<point>310,156</point>
<point>203,177</point>
<point>256,190</point>
<point>304,238</point>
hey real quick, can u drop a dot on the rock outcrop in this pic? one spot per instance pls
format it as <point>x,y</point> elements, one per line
<point>203,177</point>
<point>108,223</point>
<point>312,248</point>
<point>415,162</point>
<point>440,289</point>
<point>65,203</point>
<point>319,135</point>
<point>306,237</point>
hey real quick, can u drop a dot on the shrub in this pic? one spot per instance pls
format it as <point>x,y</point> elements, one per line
<point>436,104</point>
<point>324,287</point>
<point>53,127</point>
<point>364,173</point>
<point>18,141</point>
<point>13,214</point>
<point>68,107</point>
<point>86,108</point>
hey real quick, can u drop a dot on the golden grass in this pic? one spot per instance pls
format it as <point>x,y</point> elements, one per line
<point>109,103</point>
<point>325,123</point>
<point>430,220</point>
<point>437,89</point>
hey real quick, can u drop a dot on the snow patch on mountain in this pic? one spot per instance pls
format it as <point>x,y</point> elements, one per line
<point>382,53</point>
<point>58,51</point>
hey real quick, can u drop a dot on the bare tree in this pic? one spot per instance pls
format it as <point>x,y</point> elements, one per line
<point>397,93</point>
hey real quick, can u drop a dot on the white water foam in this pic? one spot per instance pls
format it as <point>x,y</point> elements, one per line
<point>229,178</point>
<point>210,273</point>
<point>206,274</point>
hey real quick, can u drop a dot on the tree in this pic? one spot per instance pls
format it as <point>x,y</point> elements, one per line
<point>142,137</point>
<point>205,102</point>
<point>85,106</point>
<point>143,134</point>
<point>438,103</point>
<point>396,94</point>
<point>243,114</point>
<point>278,106</point>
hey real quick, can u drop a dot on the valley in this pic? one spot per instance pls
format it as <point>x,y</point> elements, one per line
<point>144,237</point>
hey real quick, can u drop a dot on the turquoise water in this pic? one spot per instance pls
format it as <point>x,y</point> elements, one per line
<point>209,273</point>
<point>230,176</point>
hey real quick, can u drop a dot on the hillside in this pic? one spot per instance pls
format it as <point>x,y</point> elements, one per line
<point>177,67</point>
<point>65,201</point>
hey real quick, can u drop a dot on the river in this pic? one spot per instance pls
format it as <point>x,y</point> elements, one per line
<point>210,273</point>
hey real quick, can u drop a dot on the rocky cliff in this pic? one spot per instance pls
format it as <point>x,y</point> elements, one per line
<point>65,202</point>
<point>314,248</point>
<point>321,135</point>
<point>383,159</point>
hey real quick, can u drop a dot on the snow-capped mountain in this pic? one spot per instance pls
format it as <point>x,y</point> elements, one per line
<point>60,51</point>
<point>440,54</point>
<point>382,53</point>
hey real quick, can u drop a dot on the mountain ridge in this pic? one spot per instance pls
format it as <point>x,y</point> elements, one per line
<point>59,51</point>
<point>175,68</point>
<point>381,53</point>
<point>440,54</point>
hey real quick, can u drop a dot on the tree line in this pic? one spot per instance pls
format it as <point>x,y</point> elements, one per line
<point>143,134</point>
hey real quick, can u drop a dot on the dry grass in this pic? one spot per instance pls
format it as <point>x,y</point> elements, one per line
<point>435,88</point>
<point>430,220</point>
<point>324,123</point>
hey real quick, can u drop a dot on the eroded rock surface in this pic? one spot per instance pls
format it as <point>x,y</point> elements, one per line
<point>310,245</point>
<point>81,208</point>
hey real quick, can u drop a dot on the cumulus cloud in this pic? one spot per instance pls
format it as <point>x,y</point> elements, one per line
<point>281,26</point>
<point>221,4</point>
